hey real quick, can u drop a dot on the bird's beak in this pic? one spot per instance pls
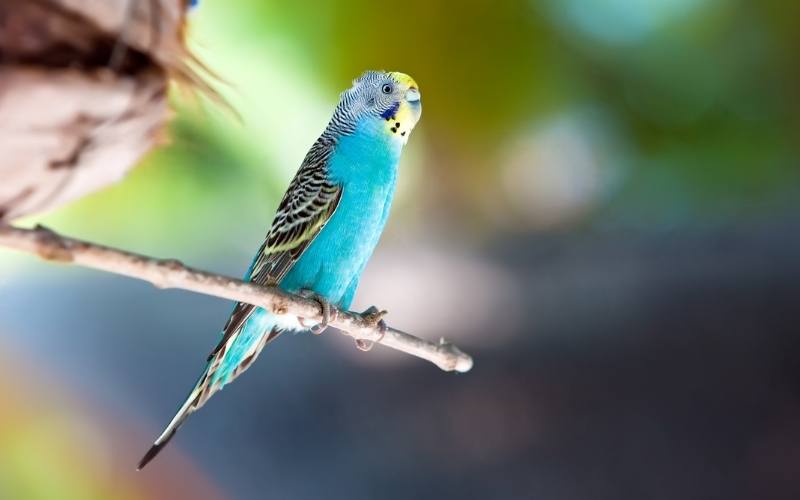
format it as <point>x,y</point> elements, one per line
<point>412,94</point>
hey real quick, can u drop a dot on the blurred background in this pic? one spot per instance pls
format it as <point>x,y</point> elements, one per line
<point>601,204</point>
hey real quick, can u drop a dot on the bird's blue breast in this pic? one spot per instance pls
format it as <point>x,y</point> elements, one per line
<point>365,165</point>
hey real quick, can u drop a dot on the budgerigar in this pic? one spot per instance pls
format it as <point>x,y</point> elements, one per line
<point>326,227</point>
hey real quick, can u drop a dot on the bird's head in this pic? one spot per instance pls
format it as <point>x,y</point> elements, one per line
<point>389,100</point>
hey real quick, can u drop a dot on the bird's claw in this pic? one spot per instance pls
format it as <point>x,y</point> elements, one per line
<point>374,317</point>
<point>329,313</point>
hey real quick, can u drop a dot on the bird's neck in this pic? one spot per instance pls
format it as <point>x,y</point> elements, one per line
<point>369,154</point>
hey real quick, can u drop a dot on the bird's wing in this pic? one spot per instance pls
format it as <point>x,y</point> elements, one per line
<point>306,207</point>
<point>308,204</point>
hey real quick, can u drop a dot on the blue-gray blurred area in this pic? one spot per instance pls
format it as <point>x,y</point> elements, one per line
<point>601,204</point>
<point>660,366</point>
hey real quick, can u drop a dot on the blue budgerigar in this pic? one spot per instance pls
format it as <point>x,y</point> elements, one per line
<point>326,227</point>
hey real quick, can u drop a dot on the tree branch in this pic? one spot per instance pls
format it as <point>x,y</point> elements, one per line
<point>170,273</point>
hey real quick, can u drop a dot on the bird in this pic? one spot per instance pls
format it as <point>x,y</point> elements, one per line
<point>324,231</point>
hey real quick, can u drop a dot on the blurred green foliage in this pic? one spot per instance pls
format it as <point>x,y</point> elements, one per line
<point>699,99</point>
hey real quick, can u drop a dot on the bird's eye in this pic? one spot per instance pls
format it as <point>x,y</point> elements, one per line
<point>386,89</point>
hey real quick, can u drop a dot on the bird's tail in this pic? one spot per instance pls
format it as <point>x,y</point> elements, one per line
<point>237,350</point>
<point>188,407</point>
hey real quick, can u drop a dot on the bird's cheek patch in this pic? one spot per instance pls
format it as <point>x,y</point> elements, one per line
<point>390,112</point>
<point>401,123</point>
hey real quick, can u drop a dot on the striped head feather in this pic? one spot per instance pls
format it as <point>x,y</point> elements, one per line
<point>391,97</point>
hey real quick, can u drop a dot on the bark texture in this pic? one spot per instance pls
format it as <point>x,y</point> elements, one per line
<point>82,94</point>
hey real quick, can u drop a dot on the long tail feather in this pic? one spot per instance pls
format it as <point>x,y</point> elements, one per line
<point>183,413</point>
<point>231,358</point>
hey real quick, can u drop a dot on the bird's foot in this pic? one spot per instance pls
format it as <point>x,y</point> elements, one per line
<point>374,317</point>
<point>329,313</point>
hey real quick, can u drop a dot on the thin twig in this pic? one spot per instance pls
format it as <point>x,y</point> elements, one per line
<point>170,273</point>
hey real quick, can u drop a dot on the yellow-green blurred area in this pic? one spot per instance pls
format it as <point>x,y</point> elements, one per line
<point>601,203</point>
<point>536,114</point>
